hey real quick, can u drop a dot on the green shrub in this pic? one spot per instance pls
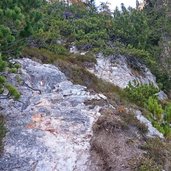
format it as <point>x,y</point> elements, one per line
<point>167,130</point>
<point>13,92</point>
<point>168,113</point>
<point>140,93</point>
<point>58,49</point>
<point>17,66</point>
<point>13,70</point>
<point>155,108</point>
<point>158,126</point>
<point>2,79</point>
<point>3,64</point>
<point>144,95</point>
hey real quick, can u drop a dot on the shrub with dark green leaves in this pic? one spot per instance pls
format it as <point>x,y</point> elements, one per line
<point>3,64</point>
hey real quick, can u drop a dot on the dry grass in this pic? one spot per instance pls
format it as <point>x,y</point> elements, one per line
<point>159,151</point>
<point>94,102</point>
<point>73,68</point>
<point>113,144</point>
<point>47,56</point>
<point>119,143</point>
<point>2,132</point>
<point>132,121</point>
<point>144,164</point>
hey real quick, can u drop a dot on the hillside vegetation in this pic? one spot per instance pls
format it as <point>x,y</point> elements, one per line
<point>56,26</point>
<point>46,31</point>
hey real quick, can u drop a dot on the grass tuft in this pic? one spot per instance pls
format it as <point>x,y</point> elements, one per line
<point>2,133</point>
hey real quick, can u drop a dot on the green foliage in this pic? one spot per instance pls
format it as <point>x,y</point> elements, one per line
<point>140,93</point>
<point>2,79</point>
<point>144,95</point>
<point>142,54</point>
<point>13,70</point>
<point>89,29</point>
<point>168,113</point>
<point>98,31</point>
<point>3,64</point>
<point>17,66</point>
<point>161,118</point>
<point>162,77</point>
<point>129,27</point>
<point>13,92</point>
<point>155,108</point>
<point>58,49</point>
<point>19,20</point>
<point>158,126</point>
<point>167,130</point>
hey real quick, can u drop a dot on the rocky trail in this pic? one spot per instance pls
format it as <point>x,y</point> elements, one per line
<point>52,127</point>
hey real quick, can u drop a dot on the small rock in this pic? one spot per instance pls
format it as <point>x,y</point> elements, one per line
<point>162,96</point>
<point>103,96</point>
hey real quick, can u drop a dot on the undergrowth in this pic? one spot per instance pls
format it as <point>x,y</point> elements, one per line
<point>159,152</point>
<point>73,67</point>
<point>158,113</point>
<point>2,133</point>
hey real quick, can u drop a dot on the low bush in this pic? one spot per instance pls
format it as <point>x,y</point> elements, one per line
<point>155,108</point>
<point>58,49</point>
<point>167,116</point>
<point>159,114</point>
<point>131,120</point>
<point>140,93</point>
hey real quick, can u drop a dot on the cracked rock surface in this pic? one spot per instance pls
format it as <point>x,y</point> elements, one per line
<point>50,130</point>
<point>121,70</point>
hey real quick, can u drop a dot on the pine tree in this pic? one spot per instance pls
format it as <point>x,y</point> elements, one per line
<point>19,19</point>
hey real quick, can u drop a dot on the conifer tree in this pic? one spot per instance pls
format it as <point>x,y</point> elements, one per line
<point>19,19</point>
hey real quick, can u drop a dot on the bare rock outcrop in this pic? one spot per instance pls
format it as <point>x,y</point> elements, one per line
<point>51,128</point>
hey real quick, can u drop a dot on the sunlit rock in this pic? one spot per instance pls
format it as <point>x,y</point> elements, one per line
<point>121,70</point>
<point>51,127</point>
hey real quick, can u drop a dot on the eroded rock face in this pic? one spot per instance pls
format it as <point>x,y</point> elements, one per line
<point>50,130</point>
<point>121,70</point>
